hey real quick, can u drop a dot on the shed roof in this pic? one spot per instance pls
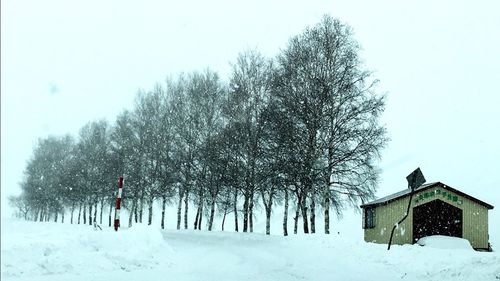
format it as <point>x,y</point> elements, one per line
<point>406,192</point>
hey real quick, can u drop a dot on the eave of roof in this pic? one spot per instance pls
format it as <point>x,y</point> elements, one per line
<point>404,193</point>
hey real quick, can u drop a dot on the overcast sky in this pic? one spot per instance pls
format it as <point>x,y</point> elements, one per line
<point>64,63</point>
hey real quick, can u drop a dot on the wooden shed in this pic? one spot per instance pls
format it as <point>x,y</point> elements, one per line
<point>436,209</point>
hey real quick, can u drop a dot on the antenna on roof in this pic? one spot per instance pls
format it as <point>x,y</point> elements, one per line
<point>415,179</point>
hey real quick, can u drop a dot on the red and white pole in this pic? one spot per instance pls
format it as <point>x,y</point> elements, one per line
<point>118,203</point>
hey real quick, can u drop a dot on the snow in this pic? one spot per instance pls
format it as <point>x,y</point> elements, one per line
<point>44,249</point>
<point>55,251</point>
<point>445,242</point>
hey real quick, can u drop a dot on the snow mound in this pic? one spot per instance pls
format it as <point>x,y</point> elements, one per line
<point>49,248</point>
<point>444,242</point>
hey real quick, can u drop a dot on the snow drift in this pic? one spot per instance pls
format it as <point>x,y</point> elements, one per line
<point>445,242</point>
<point>31,249</point>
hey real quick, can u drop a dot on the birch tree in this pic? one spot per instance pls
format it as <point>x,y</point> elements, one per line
<point>248,96</point>
<point>333,105</point>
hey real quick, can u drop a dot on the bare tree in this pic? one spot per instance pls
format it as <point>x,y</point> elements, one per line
<point>248,96</point>
<point>321,86</point>
<point>21,206</point>
<point>302,130</point>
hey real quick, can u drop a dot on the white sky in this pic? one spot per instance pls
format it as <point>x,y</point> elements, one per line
<point>64,63</point>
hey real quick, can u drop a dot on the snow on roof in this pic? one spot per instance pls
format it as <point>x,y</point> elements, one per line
<point>407,191</point>
<point>396,195</point>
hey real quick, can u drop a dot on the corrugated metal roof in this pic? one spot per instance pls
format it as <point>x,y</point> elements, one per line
<point>407,191</point>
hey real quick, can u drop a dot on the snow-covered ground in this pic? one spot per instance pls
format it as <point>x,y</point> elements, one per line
<point>55,251</point>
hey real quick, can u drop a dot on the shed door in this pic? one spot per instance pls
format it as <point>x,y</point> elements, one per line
<point>436,218</point>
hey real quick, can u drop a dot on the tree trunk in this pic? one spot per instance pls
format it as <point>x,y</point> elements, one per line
<point>285,215</point>
<point>245,212</point>
<point>163,204</point>
<point>201,215</point>
<point>269,209</point>
<point>150,210</point>
<point>132,211</point>
<point>235,206</point>
<point>79,212</point>
<point>268,219</point>
<point>72,212</point>
<point>327,215</point>
<point>179,208</point>
<point>90,213</point>
<point>186,201</point>
<point>95,213</point>
<point>326,193</point>
<point>62,216</point>
<point>136,216</point>
<point>84,213</point>
<point>102,207</point>
<point>212,214</point>
<point>313,215</point>
<point>250,213</point>
<point>303,208</point>
<point>111,213</point>
<point>296,218</point>
<point>196,219</point>
<point>56,216</point>
<point>141,207</point>
<point>224,219</point>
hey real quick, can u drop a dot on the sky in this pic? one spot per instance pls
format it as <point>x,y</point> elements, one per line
<point>65,63</point>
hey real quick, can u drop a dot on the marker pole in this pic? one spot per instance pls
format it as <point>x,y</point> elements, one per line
<point>118,203</point>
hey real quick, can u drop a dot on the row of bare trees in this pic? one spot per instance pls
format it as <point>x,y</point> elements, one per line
<point>300,129</point>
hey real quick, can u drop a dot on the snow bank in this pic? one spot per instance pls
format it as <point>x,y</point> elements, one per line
<point>32,249</point>
<point>444,242</point>
<point>56,252</point>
